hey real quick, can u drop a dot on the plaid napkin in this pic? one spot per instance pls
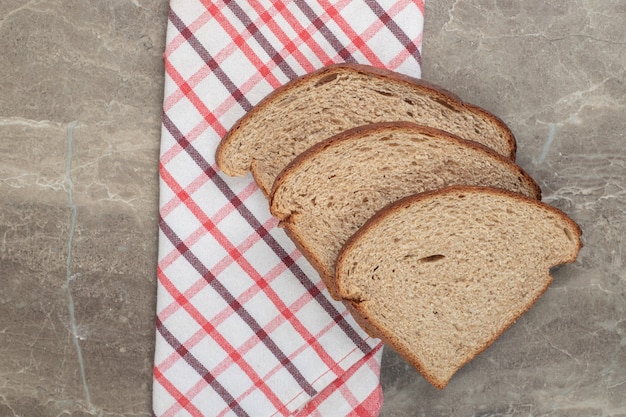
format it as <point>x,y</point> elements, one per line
<point>244,324</point>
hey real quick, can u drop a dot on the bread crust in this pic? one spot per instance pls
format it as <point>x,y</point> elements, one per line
<point>363,321</point>
<point>309,255</point>
<point>353,135</point>
<point>406,201</point>
<point>440,93</point>
<point>359,307</point>
<point>360,310</point>
<point>356,132</point>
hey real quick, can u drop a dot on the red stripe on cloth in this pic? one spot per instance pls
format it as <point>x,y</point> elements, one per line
<point>225,52</point>
<point>219,318</point>
<point>420,5</point>
<point>367,408</point>
<point>179,39</point>
<point>226,296</point>
<point>212,63</point>
<point>261,40</point>
<point>356,40</point>
<point>225,210</point>
<point>194,99</point>
<point>305,35</point>
<point>243,349</point>
<point>308,284</point>
<point>407,52</point>
<point>250,270</point>
<point>241,39</point>
<point>290,47</point>
<point>226,261</point>
<point>372,404</point>
<point>190,137</point>
<point>189,83</point>
<point>319,22</point>
<point>225,345</point>
<point>176,394</point>
<point>386,18</point>
<point>183,400</point>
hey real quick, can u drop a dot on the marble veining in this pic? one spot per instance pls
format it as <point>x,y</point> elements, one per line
<point>80,105</point>
<point>69,276</point>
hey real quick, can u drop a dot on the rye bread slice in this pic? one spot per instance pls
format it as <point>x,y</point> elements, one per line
<point>321,104</point>
<point>440,275</point>
<point>326,193</point>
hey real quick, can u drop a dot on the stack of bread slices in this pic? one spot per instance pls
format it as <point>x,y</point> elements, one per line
<point>409,204</point>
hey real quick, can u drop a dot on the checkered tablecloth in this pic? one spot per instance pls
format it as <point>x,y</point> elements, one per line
<point>244,324</point>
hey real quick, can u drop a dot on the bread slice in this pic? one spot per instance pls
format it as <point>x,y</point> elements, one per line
<point>326,193</point>
<point>336,98</point>
<point>440,275</point>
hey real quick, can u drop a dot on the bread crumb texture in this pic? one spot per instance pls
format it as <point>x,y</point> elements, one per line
<point>334,99</point>
<point>442,275</point>
<point>339,183</point>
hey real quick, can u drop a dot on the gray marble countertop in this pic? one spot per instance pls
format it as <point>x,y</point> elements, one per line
<point>80,100</point>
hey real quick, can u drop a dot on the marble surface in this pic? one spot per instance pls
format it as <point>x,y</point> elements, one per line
<point>80,98</point>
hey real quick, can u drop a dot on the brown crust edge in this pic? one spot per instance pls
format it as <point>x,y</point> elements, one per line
<point>353,135</point>
<point>258,182</point>
<point>449,97</point>
<point>376,330</point>
<point>326,277</point>
<point>382,214</point>
<point>356,132</point>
